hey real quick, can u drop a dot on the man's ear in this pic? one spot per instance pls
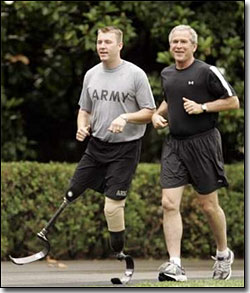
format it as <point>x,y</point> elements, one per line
<point>195,47</point>
<point>120,45</point>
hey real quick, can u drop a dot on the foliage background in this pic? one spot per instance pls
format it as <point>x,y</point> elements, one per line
<point>47,47</point>
<point>32,192</point>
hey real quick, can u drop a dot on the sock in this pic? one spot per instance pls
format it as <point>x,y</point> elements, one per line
<point>176,260</point>
<point>117,241</point>
<point>222,254</point>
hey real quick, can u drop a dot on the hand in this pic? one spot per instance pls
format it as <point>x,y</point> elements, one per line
<point>191,107</point>
<point>82,133</point>
<point>159,121</point>
<point>117,125</point>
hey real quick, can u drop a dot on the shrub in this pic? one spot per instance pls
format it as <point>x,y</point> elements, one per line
<point>32,192</point>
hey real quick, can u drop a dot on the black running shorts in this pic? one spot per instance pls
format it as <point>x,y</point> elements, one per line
<point>197,160</point>
<point>107,168</point>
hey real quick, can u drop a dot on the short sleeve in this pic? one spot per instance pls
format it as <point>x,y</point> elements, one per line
<point>143,91</point>
<point>85,101</point>
<point>218,85</point>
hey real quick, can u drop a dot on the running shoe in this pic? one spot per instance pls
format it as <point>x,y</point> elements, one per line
<point>222,266</point>
<point>171,272</point>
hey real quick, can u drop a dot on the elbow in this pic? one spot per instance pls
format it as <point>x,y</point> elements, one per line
<point>236,104</point>
<point>233,103</point>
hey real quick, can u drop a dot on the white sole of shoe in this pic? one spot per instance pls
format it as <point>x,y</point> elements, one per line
<point>165,277</point>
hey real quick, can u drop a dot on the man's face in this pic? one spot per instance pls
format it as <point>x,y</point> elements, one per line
<point>108,48</point>
<point>181,47</point>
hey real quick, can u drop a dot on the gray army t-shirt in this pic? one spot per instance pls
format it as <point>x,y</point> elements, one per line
<point>108,93</point>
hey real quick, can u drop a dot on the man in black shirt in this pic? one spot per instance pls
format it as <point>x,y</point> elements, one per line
<point>194,93</point>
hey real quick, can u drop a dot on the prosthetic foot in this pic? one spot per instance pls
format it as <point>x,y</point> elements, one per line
<point>128,271</point>
<point>42,236</point>
<point>117,244</point>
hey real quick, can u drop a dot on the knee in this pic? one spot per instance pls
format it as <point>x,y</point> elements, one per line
<point>73,193</point>
<point>112,207</point>
<point>169,205</point>
<point>114,214</point>
<point>70,195</point>
<point>208,207</point>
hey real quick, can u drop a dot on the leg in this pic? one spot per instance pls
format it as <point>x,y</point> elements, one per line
<point>114,213</point>
<point>118,177</point>
<point>216,218</point>
<point>217,221</point>
<point>88,174</point>
<point>172,225</point>
<point>172,222</point>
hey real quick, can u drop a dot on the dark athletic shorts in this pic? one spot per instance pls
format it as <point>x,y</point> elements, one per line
<point>107,168</point>
<point>197,160</point>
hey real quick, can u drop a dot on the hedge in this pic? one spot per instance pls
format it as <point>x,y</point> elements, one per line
<point>32,192</point>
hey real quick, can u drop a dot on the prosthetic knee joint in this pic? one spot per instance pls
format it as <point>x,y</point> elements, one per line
<point>72,193</point>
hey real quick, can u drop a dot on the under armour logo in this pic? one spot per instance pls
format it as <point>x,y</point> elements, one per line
<point>190,82</point>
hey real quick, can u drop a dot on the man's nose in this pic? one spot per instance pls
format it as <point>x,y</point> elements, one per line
<point>102,45</point>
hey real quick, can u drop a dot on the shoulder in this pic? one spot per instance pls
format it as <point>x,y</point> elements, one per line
<point>215,70</point>
<point>199,68</point>
<point>133,68</point>
<point>200,63</point>
<point>134,71</point>
<point>94,69</point>
<point>168,69</point>
<point>212,69</point>
<point>91,72</point>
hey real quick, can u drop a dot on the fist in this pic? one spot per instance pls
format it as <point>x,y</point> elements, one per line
<point>159,121</point>
<point>82,133</point>
<point>191,107</point>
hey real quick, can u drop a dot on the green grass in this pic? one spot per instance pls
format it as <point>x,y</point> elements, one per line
<point>194,283</point>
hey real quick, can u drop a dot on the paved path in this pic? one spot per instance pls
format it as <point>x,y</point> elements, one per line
<point>97,272</point>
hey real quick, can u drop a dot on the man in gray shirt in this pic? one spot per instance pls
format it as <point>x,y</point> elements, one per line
<point>116,103</point>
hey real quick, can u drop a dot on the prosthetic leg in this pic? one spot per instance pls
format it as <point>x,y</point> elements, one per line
<point>42,236</point>
<point>117,243</point>
<point>114,213</point>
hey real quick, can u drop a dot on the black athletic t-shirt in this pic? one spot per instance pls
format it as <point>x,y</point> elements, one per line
<point>199,82</point>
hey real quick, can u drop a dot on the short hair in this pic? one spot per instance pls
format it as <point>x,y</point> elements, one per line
<point>112,29</point>
<point>182,27</point>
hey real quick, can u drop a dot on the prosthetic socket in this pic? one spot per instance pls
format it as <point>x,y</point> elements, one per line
<point>114,213</point>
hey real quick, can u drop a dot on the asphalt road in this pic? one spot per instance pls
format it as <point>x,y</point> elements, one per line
<point>97,273</point>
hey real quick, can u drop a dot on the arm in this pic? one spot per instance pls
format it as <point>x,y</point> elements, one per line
<point>229,103</point>
<point>140,117</point>
<point>158,119</point>
<point>83,125</point>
